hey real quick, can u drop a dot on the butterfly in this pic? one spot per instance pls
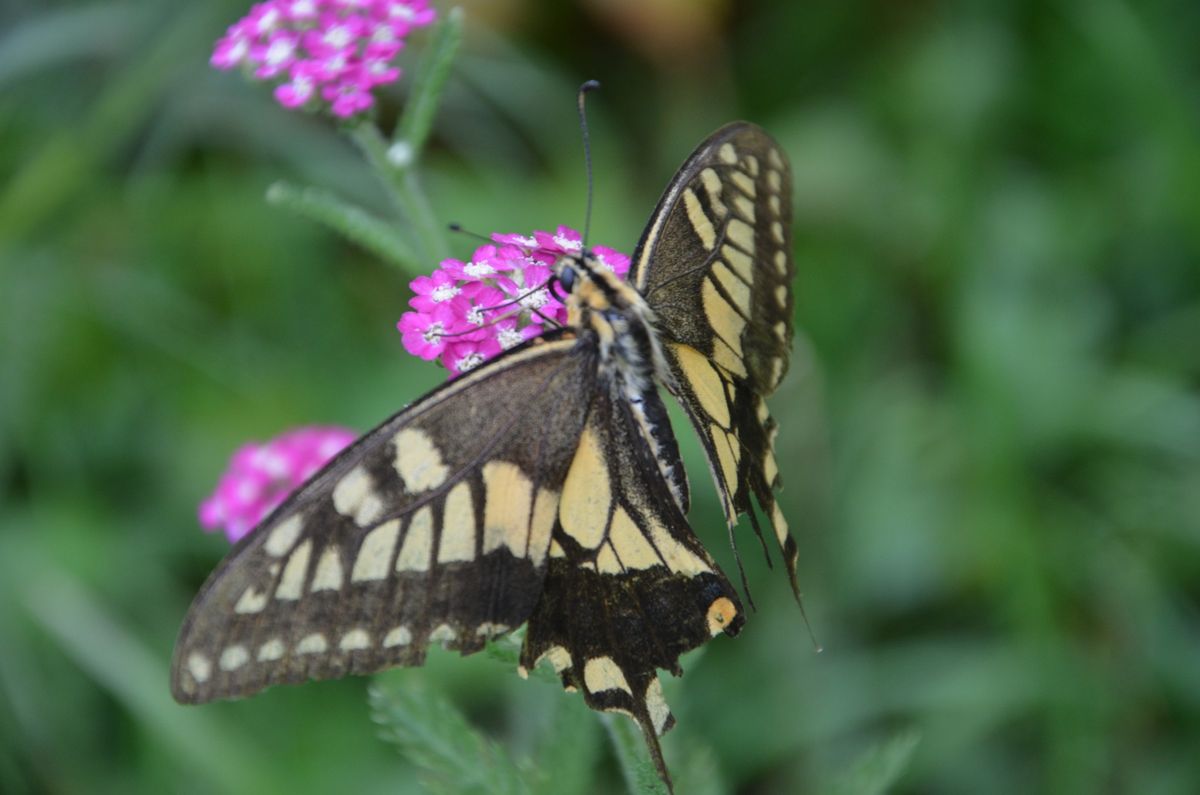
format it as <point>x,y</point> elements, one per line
<point>545,487</point>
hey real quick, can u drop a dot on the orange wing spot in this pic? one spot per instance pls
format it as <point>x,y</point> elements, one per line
<point>720,614</point>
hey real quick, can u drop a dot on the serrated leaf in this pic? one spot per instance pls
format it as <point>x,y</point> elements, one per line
<point>351,221</point>
<point>433,734</point>
<point>880,766</point>
<point>568,751</point>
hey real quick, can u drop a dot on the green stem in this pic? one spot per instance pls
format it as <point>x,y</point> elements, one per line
<point>429,80</point>
<point>349,220</point>
<point>636,767</point>
<point>400,180</point>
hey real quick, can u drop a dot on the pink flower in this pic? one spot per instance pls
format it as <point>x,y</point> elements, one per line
<point>322,54</point>
<point>468,312</point>
<point>260,476</point>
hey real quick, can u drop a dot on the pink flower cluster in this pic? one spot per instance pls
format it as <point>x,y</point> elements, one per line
<point>322,53</point>
<point>468,312</point>
<point>261,476</point>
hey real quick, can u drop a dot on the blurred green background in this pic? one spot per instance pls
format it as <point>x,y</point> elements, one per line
<point>990,434</point>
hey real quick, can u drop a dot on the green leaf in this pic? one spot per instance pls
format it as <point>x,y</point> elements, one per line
<point>434,736</point>
<point>114,658</point>
<point>569,749</point>
<point>428,83</point>
<point>880,766</point>
<point>349,220</point>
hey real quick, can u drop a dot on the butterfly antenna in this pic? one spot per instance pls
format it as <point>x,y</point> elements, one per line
<point>590,85</point>
<point>457,228</point>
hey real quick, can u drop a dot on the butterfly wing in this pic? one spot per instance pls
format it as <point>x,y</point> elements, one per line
<point>434,527</point>
<point>715,266</point>
<point>629,587</point>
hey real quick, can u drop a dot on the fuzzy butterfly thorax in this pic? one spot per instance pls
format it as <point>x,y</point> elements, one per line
<point>544,487</point>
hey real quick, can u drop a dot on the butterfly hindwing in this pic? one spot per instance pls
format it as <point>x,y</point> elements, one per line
<point>629,587</point>
<point>434,527</point>
<point>715,266</point>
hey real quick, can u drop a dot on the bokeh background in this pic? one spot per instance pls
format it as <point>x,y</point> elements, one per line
<point>990,434</point>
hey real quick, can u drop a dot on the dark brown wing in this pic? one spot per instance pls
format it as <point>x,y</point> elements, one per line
<point>715,265</point>
<point>434,527</point>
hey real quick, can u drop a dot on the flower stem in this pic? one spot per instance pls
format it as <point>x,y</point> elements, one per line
<point>404,189</point>
<point>428,83</point>
<point>636,767</point>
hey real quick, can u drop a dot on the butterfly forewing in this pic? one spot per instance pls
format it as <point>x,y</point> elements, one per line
<point>434,527</point>
<point>715,266</point>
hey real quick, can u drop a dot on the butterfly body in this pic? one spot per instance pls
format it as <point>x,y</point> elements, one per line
<point>545,487</point>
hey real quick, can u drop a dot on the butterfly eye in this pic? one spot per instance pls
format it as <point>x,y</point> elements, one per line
<point>567,278</point>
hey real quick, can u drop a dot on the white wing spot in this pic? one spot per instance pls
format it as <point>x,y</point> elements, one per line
<point>781,525</point>
<point>781,331</point>
<point>781,262</point>
<point>781,296</point>
<point>678,557</point>
<point>727,154</point>
<point>726,322</point>
<point>545,508</point>
<point>291,584</point>
<point>774,158</point>
<point>443,634</point>
<point>234,657</point>
<point>777,232</point>
<point>705,383</point>
<point>770,467</point>
<point>603,673</point>
<point>630,544</point>
<point>744,183</point>
<point>776,371</point>
<point>726,455</point>
<point>740,234</point>
<point>701,225</point>
<point>713,187</point>
<point>507,508</point>
<point>419,461</point>
<point>329,571</point>
<point>355,498</point>
<point>773,203</point>
<point>741,263</point>
<point>199,666</point>
<point>458,525</point>
<point>558,657</point>
<point>774,180</point>
<point>751,163</point>
<point>251,601</point>
<point>375,553</point>
<point>489,630</point>
<point>737,290</point>
<point>312,644</point>
<point>354,640</point>
<point>271,650</point>
<point>283,536</point>
<point>418,542</point>
<point>656,705</point>
<point>745,207</point>
<point>583,510</point>
<point>397,636</point>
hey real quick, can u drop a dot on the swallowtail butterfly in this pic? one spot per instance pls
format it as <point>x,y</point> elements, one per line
<point>544,487</point>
